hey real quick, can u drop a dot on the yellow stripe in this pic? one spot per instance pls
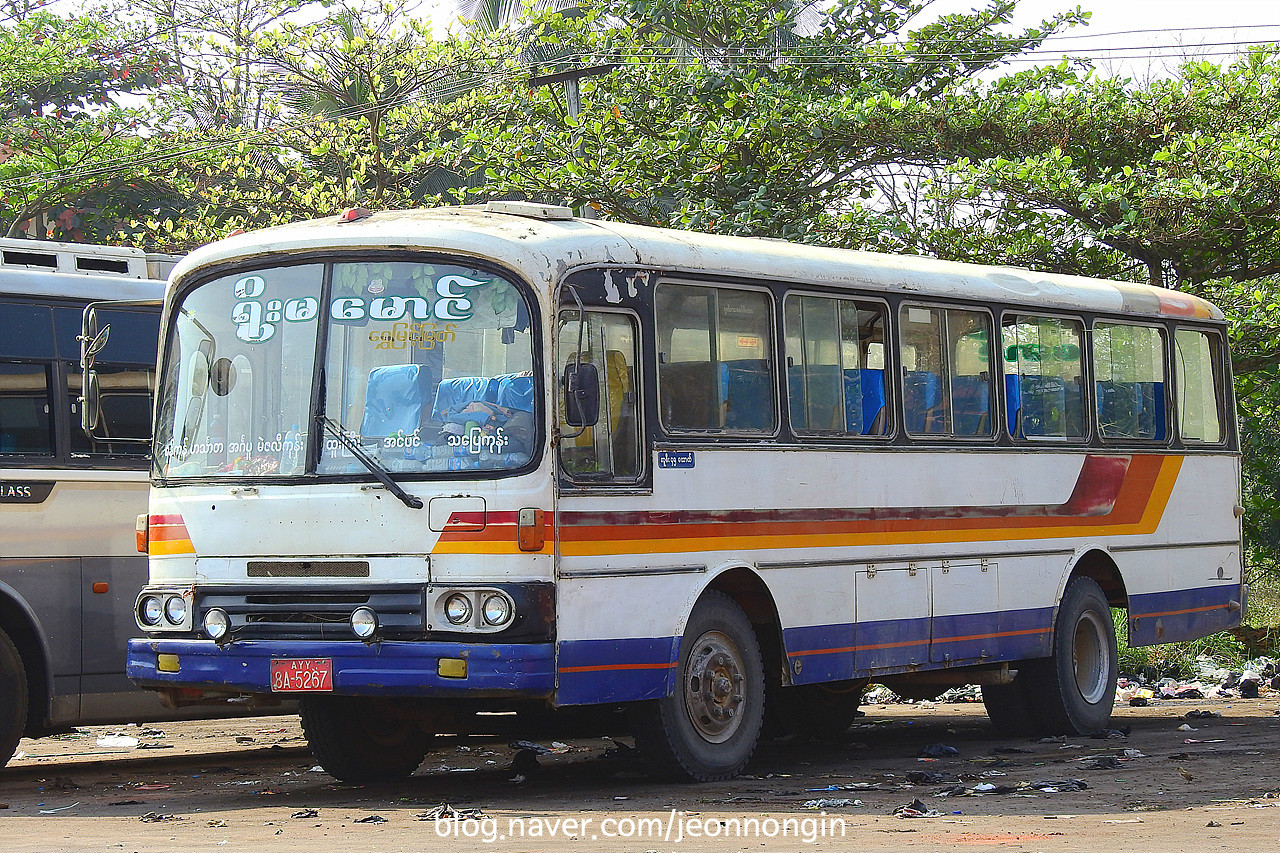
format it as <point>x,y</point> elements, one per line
<point>166,547</point>
<point>1161,491</point>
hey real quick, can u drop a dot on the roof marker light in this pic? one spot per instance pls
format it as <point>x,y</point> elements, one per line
<point>353,214</point>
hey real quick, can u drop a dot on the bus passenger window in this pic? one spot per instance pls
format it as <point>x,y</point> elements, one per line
<point>946,377</point>
<point>608,451</point>
<point>1043,377</point>
<point>835,385</point>
<point>26,425</point>
<point>1198,367</point>
<point>1128,370</point>
<point>715,368</point>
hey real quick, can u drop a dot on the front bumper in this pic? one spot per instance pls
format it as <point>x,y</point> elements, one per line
<point>515,670</point>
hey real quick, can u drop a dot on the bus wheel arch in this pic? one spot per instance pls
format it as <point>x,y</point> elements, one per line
<point>1073,690</point>
<point>17,621</point>
<point>706,728</point>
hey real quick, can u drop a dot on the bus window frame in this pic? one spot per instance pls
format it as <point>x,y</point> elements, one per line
<point>1166,353</point>
<point>1224,393</point>
<point>612,486</point>
<point>677,435</point>
<point>890,357</point>
<point>994,435</point>
<point>1091,431</point>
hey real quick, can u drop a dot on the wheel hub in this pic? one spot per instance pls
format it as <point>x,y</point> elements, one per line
<point>713,689</point>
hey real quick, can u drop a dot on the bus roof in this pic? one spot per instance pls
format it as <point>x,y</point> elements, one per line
<point>77,286</point>
<point>539,245</point>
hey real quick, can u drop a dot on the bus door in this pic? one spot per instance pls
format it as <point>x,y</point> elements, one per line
<point>600,467</point>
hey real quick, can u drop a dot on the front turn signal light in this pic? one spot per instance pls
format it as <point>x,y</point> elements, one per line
<point>140,532</point>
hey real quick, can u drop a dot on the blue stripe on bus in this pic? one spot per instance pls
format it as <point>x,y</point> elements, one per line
<point>623,670</point>
<point>382,669</point>
<point>1184,614</point>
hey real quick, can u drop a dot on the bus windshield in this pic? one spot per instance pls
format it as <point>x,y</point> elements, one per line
<point>427,367</point>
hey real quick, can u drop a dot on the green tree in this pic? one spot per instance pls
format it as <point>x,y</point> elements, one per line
<point>69,153</point>
<point>719,117</point>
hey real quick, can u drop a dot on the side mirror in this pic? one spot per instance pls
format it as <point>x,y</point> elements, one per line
<point>90,403</point>
<point>92,341</point>
<point>581,394</point>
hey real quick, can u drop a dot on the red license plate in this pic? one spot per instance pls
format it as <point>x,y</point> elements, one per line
<point>303,675</point>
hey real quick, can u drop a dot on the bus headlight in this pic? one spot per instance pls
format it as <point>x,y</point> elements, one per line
<point>457,609</point>
<point>364,622</point>
<point>175,610</point>
<point>150,610</point>
<point>497,610</point>
<point>216,624</point>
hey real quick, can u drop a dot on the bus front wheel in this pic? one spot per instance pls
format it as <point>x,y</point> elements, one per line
<point>1074,691</point>
<point>362,740</point>
<point>707,729</point>
<point>13,698</point>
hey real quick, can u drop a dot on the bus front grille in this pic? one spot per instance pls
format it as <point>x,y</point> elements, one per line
<point>280,613</point>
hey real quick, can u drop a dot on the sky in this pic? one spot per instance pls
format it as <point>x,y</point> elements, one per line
<point>1134,38</point>
<point>1142,38</point>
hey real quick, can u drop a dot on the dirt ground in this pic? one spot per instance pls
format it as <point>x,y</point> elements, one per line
<point>251,785</point>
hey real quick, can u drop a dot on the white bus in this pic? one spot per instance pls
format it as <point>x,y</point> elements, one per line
<point>69,566</point>
<point>414,465</point>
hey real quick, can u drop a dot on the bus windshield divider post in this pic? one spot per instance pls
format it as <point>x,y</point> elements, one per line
<point>372,464</point>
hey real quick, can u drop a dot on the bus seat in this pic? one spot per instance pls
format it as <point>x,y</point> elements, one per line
<point>1152,417</point>
<point>872,395</point>
<point>1119,408</point>
<point>1044,404</point>
<point>514,391</point>
<point>824,408</point>
<point>746,393</point>
<point>454,395</point>
<point>920,400</point>
<point>970,405</point>
<point>1013,401</point>
<point>392,401</point>
<point>688,392</point>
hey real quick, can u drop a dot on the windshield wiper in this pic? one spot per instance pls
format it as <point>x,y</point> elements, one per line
<point>375,467</point>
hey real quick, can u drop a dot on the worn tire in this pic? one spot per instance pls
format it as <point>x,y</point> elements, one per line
<point>707,729</point>
<point>360,740</point>
<point>823,711</point>
<point>1010,707</point>
<point>1074,691</point>
<point>13,698</point>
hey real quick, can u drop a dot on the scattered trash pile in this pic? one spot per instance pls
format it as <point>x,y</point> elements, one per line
<point>1258,677</point>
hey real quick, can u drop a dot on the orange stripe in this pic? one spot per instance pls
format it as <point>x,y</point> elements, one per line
<point>923,642</point>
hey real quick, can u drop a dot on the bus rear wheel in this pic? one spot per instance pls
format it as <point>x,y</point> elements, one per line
<point>13,698</point>
<point>362,740</point>
<point>1074,691</point>
<point>707,729</point>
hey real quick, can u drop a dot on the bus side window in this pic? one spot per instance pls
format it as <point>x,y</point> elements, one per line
<point>1198,369</point>
<point>1043,377</point>
<point>1128,369</point>
<point>830,389</point>
<point>26,409</point>
<point>715,360</point>
<point>608,451</point>
<point>946,377</point>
